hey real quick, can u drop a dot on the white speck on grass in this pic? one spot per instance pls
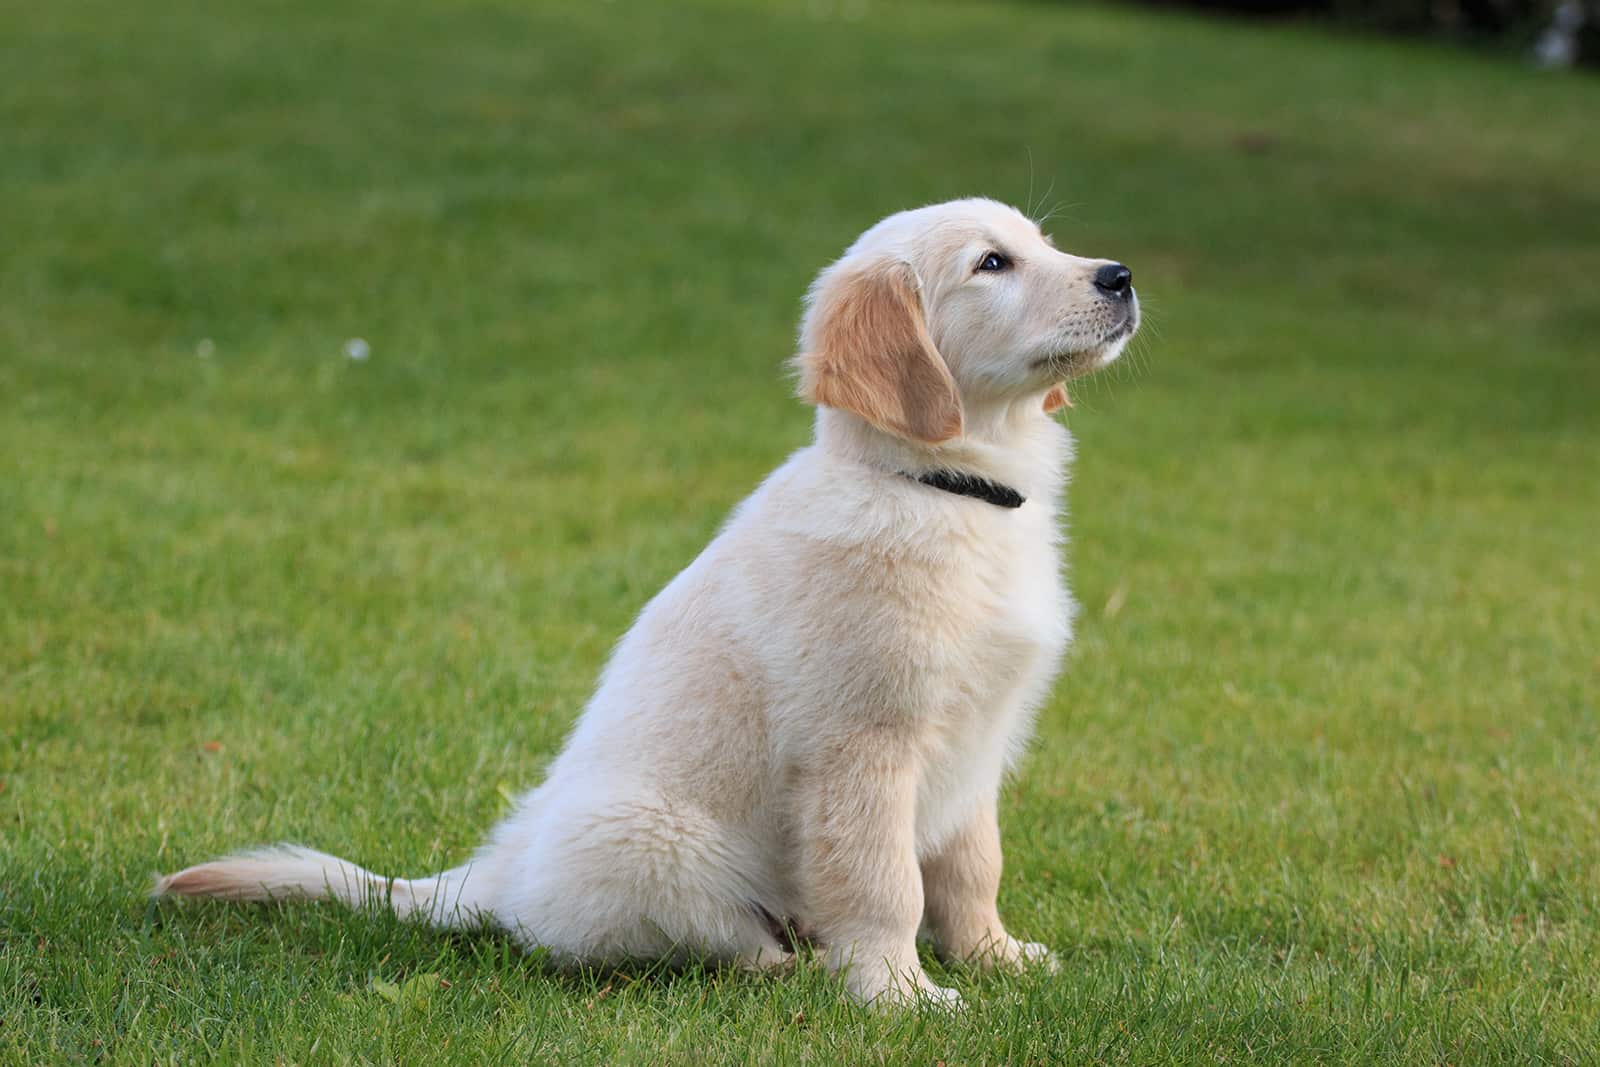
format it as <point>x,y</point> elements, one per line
<point>357,349</point>
<point>206,348</point>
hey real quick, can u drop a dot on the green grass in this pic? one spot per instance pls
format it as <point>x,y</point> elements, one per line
<point>1321,782</point>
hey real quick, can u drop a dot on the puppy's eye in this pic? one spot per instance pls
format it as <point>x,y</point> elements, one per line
<point>994,261</point>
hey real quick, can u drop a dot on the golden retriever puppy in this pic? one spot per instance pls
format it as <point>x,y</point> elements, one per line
<point>804,733</point>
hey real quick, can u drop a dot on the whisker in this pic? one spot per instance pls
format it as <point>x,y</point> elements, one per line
<point>1046,196</point>
<point>1057,208</point>
<point>1028,204</point>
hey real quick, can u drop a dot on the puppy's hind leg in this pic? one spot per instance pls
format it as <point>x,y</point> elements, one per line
<point>765,959</point>
<point>768,947</point>
<point>641,877</point>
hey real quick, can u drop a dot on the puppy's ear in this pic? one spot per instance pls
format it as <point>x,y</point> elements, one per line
<point>1056,399</point>
<point>865,348</point>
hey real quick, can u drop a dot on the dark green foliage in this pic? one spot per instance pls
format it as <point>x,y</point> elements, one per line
<point>1509,24</point>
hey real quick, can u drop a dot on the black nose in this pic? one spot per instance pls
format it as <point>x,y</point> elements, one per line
<point>1114,279</point>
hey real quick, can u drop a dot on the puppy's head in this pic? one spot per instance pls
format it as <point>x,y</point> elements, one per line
<point>936,311</point>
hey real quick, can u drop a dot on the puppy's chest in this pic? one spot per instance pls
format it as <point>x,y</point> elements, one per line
<point>1034,613</point>
<point>1009,606</point>
<point>1014,625</point>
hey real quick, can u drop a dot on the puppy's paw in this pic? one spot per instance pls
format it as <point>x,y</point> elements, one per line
<point>926,996</point>
<point>1033,954</point>
<point>886,990</point>
<point>939,998</point>
<point>766,960</point>
<point>1007,953</point>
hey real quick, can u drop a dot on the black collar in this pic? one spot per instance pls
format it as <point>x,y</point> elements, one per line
<point>1001,496</point>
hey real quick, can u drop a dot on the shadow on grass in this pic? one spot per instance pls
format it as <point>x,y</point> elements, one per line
<point>368,941</point>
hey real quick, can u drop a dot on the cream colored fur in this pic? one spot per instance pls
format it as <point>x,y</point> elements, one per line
<point>812,720</point>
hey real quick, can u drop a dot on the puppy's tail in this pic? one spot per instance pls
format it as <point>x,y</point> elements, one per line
<point>449,899</point>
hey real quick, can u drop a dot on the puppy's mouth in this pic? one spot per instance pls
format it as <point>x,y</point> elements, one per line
<point>1078,358</point>
<point>1123,330</point>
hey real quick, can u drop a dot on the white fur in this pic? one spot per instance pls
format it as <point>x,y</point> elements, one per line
<point>816,714</point>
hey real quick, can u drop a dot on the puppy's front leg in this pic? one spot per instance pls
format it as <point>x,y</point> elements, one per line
<point>860,883</point>
<point>961,882</point>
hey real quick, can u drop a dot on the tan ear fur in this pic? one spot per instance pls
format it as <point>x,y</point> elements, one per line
<point>1056,399</point>
<point>870,353</point>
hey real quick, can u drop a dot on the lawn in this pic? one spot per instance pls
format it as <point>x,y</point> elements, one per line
<point>1321,781</point>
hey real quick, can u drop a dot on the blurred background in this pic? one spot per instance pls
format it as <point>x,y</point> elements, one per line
<point>364,367</point>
